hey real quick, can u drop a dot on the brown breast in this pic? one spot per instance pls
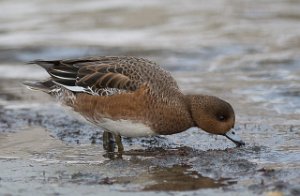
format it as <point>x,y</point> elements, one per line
<point>162,115</point>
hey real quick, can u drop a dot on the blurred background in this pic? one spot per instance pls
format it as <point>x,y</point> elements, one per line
<point>252,45</point>
<point>247,52</point>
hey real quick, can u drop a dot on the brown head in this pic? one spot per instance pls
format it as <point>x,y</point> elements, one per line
<point>213,115</point>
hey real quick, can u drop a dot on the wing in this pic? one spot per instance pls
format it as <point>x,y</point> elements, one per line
<point>108,75</point>
<point>105,76</point>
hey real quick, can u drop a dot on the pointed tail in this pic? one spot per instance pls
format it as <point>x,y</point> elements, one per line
<point>45,86</point>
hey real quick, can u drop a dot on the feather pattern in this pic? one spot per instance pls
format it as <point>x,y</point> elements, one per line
<point>105,76</point>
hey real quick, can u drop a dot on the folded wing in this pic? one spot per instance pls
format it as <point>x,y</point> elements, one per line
<point>106,75</point>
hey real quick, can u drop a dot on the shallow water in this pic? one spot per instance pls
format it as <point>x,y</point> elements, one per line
<point>246,52</point>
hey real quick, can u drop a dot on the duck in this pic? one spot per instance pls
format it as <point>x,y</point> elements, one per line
<point>132,97</point>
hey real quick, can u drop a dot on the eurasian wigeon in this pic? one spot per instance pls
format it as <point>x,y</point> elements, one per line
<point>129,96</point>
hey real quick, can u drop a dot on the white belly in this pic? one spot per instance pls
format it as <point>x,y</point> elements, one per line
<point>126,128</point>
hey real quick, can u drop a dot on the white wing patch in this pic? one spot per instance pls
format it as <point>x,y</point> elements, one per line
<point>89,90</point>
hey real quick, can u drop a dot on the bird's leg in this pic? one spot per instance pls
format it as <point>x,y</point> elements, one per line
<point>108,142</point>
<point>118,140</point>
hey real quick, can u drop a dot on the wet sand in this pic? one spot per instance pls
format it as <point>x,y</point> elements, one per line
<point>45,150</point>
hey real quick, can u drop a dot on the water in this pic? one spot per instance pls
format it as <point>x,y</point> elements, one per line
<point>246,52</point>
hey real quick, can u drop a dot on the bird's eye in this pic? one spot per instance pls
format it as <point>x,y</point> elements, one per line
<point>221,118</point>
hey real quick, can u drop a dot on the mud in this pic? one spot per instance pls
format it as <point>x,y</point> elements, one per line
<point>42,146</point>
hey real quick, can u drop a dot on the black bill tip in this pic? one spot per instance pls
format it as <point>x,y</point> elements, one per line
<point>234,138</point>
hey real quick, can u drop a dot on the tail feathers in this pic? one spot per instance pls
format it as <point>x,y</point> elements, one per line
<point>60,72</point>
<point>45,64</point>
<point>45,86</point>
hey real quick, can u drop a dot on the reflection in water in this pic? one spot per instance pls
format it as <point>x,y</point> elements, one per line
<point>180,178</point>
<point>35,144</point>
<point>175,178</point>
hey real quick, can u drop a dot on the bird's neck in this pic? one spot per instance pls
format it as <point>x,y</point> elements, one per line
<point>189,100</point>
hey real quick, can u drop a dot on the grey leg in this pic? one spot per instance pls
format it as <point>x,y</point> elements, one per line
<point>108,142</point>
<point>118,140</point>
